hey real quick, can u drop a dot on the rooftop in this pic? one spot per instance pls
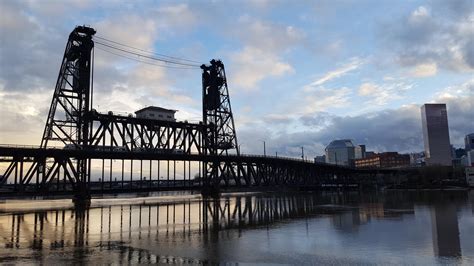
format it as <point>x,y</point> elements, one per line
<point>340,143</point>
<point>155,108</point>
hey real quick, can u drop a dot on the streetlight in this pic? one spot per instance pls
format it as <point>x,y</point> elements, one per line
<point>239,151</point>
<point>302,153</point>
<point>264,148</point>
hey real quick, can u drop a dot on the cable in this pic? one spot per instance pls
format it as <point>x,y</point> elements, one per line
<point>163,55</point>
<point>141,61</point>
<point>146,56</point>
<point>154,53</point>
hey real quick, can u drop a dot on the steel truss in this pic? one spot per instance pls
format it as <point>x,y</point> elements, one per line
<point>129,134</point>
<point>27,174</point>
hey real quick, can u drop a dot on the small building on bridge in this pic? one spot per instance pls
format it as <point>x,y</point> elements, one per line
<point>156,113</point>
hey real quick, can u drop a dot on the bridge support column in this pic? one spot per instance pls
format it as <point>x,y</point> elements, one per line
<point>210,191</point>
<point>82,196</point>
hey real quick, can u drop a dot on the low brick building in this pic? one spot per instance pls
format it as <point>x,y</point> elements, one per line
<point>383,160</point>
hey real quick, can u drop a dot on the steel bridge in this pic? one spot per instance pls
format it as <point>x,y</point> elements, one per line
<point>128,153</point>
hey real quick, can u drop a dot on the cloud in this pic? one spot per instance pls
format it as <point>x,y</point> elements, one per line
<point>268,36</point>
<point>368,89</point>
<point>253,65</point>
<point>264,45</point>
<point>25,48</point>
<point>381,94</point>
<point>319,99</point>
<point>132,29</point>
<point>440,34</point>
<point>425,70</point>
<point>175,17</point>
<point>354,64</point>
<point>22,116</point>
<point>460,104</point>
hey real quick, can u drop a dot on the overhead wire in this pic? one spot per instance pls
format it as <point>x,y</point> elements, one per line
<point>142,61</point>
<point>154,53</point>
<point>147,56</point>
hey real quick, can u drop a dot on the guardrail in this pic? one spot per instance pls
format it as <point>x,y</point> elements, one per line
<point>192,153</point>
<point>26,146</point>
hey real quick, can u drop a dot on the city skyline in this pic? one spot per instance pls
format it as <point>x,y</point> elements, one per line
<point>298,75</point>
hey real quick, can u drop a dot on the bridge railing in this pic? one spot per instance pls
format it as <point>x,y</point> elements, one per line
<point>192,153</point>
<point>26,146</point>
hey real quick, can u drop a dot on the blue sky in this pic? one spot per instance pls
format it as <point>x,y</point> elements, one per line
<point>300,73</point>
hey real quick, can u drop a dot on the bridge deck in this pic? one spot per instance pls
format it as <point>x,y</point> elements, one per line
<point>32,152</point>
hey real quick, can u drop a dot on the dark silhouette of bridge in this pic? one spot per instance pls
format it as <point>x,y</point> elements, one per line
<point>131,153</point>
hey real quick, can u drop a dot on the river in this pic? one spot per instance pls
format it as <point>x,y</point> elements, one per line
<point>337,228</point>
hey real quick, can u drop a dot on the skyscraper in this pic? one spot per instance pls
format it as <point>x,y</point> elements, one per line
<point>434,118</point>
<point>469,142</point>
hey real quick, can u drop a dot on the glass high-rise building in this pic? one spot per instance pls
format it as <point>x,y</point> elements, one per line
<point>340,152</point>
<point>434,118</point>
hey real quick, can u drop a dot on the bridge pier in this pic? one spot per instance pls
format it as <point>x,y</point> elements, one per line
<point>82,197</point>
<point>210,192</point>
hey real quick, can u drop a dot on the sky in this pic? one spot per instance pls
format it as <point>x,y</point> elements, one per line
<point>300,73</point>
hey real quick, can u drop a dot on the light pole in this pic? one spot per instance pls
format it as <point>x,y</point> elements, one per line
<point>264,148</point>
<point>302,153</point>
<point>238,151</point>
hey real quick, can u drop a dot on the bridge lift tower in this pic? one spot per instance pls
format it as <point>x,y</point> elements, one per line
<point>220,136</point>
<point>67,120</point>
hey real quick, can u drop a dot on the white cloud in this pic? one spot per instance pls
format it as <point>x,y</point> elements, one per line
<point>367,89</point>
<point>425,70</point>
<point>440,34</point>
<point>173,17</point>
<point>253,65</point>
<point>462,90</point>
<point>354,64</point>
<point>133,30</point>
<point>264,45</point>
<point>381,94</point>
<point>264,35</point>
<point>420,13</point>
<point>321,99</point>
<point>23,116</point>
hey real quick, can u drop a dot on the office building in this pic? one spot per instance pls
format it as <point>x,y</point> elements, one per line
<point>359,151</point>
<point>340,152</point>
<point>434,119</point>
<point>469,142</point>
<point>369,154</point>
<point>468,159</point>
<point>383,160</point>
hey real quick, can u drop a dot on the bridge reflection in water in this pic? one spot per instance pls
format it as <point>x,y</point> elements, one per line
<point>149,231</point>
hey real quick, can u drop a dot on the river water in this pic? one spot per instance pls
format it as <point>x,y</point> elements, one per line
<point>388,228</point>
